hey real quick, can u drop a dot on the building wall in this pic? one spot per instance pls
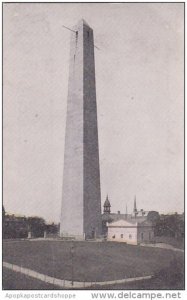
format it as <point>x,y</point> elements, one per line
<point>145,234</point>
<point>123,234</point>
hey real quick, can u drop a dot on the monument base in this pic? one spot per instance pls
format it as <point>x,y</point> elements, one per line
<point>68,236</point>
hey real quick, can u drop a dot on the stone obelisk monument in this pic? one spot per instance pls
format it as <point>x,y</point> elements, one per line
<point>81,198</point>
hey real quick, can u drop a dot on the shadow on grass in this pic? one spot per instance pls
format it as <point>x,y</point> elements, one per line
<point>172,276</point>
<point>168,278</point>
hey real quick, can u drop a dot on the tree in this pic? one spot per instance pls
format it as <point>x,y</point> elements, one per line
<point>170,225</point>
<point>37,226</point>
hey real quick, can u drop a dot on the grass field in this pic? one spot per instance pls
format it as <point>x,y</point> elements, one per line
<point>94,261</point>
<point>17,281</point>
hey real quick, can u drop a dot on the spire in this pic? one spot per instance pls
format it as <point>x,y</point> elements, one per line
<point>126,213</point>
<point>107,205</point>
<point>135,208</point>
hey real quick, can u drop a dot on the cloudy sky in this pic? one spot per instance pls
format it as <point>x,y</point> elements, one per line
<point>139,81</point>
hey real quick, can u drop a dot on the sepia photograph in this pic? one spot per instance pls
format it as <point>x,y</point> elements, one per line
<point>93,146</point>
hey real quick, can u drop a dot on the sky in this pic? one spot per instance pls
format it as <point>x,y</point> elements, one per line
<point>140,103</point>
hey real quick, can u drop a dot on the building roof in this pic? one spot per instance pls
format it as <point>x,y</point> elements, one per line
<point>129,223</point>
<point>122,223</point>
<point>142,213</point>
<point>114,217</point>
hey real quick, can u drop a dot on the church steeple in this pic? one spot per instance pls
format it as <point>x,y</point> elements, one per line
<point>126,212</point>
<point>135,208</point>
<point>107,206</point>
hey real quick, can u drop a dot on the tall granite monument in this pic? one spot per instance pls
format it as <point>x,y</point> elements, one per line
<point>81,198</point>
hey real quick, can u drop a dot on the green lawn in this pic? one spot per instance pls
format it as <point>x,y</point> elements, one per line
<point>17,281</point>
<point>93,261</point>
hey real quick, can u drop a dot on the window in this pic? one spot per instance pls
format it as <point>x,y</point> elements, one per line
<point>121,236</point>
<point>142,236</point>
<point>130,236</point>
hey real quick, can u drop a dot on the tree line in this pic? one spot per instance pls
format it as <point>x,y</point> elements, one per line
<point>21,226</point>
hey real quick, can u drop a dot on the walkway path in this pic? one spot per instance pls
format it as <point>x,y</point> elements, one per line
<point>67,283</point>
<point>163,246</point>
